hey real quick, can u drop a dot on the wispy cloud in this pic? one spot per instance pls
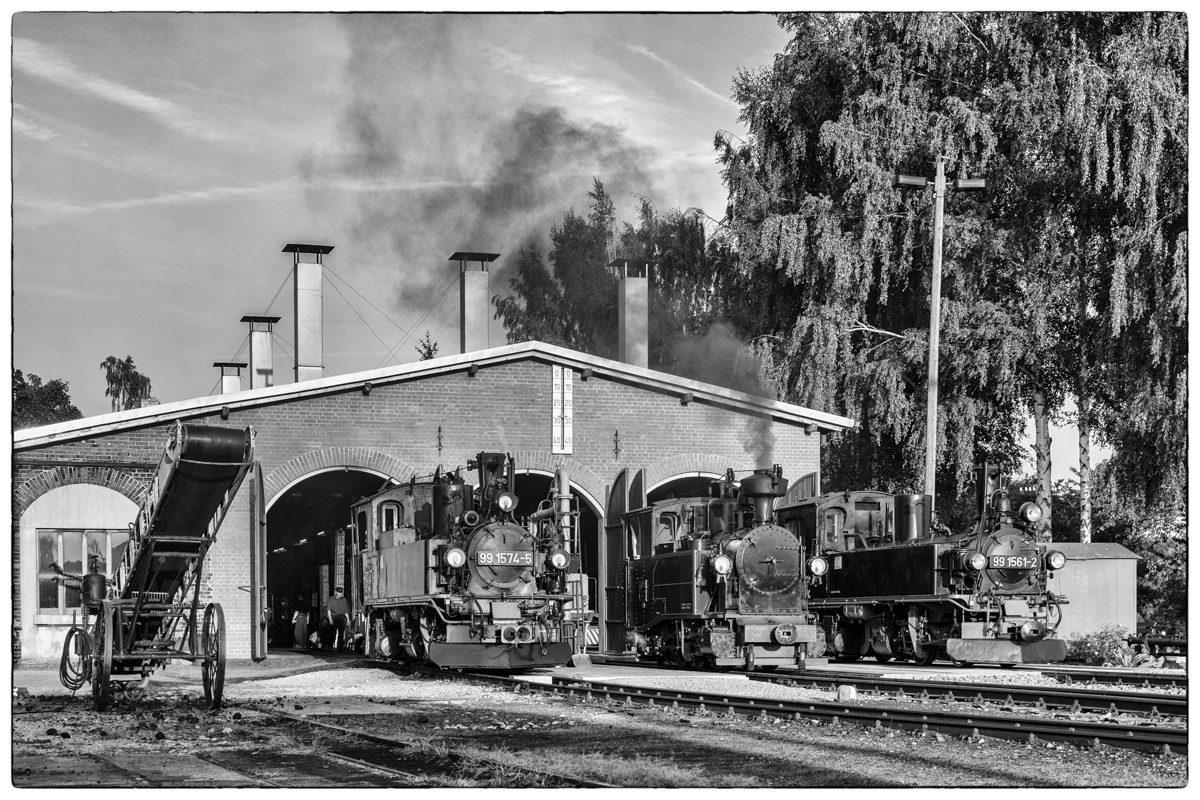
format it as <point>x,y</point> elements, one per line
<point>57,208</point>
<point>208,194</point>
<point>45,63</point>
<point>678,72</point>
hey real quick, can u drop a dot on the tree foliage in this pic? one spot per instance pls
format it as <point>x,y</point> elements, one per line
<point>1078,121</point>
<point>573,303</point>
<point>426,347</point>
<point>36,403</point>
<point>127,387</point>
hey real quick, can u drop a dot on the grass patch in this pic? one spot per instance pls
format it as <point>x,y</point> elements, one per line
<point>639,770</point>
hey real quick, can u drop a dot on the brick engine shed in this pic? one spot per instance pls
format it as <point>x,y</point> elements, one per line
<point>630,434</point>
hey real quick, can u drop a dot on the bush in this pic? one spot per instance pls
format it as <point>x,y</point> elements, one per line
<point>1108,647</point>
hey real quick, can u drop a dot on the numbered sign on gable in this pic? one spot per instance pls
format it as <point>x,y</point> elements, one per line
<point>561,411</point>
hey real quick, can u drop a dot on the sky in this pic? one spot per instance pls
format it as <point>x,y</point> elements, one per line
<point>160,163</point>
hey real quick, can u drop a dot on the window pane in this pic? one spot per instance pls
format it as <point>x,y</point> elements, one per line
<point>97,551</point>
<point>120,540</point>
<point>47,545</point>
<point>72,555</point>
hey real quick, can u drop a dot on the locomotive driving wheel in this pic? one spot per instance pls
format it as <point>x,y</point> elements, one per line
<point>212,644</point>
<point>102,661</point>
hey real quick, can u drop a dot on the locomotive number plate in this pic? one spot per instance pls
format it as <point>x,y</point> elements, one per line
<point>1013,562</point>
<point>504,558</point>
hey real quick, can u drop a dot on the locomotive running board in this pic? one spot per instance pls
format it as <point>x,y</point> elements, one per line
<point>1003,651</point>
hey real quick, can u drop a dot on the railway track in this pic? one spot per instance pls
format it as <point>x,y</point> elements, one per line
<point>1140,737</point>
<point>1043,698</point>
<point>1047,698</point>
<point>418,775</point>
<point>1167,680</point>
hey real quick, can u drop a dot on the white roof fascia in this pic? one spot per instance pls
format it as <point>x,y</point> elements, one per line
<point>601,368</point>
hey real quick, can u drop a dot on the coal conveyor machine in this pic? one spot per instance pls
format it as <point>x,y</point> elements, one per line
<point>150,611</point>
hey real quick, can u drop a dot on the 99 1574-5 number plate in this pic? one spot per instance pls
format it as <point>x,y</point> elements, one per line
<point>1013,562</point>
<point>504,558</point>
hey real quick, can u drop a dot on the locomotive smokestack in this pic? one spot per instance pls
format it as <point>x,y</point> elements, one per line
<point>762,488</point>
<point>261,368</point>
<point>474,291</point>
<point>306,279</point>
<point>633,315</point>
<point>231,375</point>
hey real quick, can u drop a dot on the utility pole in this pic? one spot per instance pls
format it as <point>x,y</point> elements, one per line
<point>935,329</point>
<point>935,307</point>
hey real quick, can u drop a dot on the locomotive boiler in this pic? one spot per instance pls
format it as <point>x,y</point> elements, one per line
<point>892,587</point>
<point>713,581</point>
<point>450,578</point>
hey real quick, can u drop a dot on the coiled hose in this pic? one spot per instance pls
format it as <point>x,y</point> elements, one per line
<point>72,674</point>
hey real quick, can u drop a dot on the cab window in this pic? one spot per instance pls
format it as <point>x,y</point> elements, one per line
<point>832,524</point>
<point>390,515</point>
<point>666,528</point>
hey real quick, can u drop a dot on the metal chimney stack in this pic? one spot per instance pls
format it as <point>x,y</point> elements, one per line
<point>231,375</point>
<point>633,312</point>
<point>261,354</point>
<point>474,296</point>
<point>308,286</point>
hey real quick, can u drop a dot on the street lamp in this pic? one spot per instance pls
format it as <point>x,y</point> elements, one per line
<point>935,305</point>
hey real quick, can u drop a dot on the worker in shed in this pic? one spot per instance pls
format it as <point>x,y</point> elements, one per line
<point>337,609</point>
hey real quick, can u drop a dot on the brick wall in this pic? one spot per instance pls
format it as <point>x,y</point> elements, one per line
<point>395,431</point>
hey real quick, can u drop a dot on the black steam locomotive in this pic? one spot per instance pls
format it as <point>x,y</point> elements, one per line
<point>892,587</point>
<point>713,582</point>
<point>448,577</point>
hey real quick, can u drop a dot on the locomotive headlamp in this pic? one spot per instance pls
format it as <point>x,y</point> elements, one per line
<point>559,559</point>
<point>1055,560</point>
<point>507,501</point>
<point>975,561</point>
<point>455,558</point>
<point>722,565</point>
<point>818,566</point>
<point>1030,512</point>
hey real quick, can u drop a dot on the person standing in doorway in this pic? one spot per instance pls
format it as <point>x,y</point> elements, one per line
<point>300,624</point>
<point>337,608</point>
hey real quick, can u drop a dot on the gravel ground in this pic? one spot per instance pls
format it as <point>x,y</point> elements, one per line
<point>636,747</point>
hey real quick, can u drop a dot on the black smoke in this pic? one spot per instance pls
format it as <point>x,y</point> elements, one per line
<point>722,358</point>
<point>439,153</point>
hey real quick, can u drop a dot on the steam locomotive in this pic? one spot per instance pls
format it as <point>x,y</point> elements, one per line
<point>448,577</point>
<point>892,587</point>
<point>713,582</point>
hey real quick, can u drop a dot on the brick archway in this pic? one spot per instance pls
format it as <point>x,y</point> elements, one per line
<point>303,465</point>
<point>109,478</point>
<point>690,463</point>
<point>577,473</point>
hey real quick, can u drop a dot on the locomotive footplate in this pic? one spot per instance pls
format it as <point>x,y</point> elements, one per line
<point>1004,651</point>
<point>496,656</point>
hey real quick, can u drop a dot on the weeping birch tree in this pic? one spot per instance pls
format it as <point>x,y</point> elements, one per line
<point>1065,280</point>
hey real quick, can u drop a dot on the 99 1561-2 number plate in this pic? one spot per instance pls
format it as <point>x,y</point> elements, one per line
<point>504,558</point>
<point>1012,562</point>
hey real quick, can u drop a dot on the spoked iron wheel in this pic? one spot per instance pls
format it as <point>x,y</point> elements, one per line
<point>102,661</point>
<point>212,644</point>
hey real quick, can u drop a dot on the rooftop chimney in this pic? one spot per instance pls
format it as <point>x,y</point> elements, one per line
<point>474,295</point>
<point>307,281</point>
<point>231,375</point>
<point>633,320</point>
<point>260,349</point>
